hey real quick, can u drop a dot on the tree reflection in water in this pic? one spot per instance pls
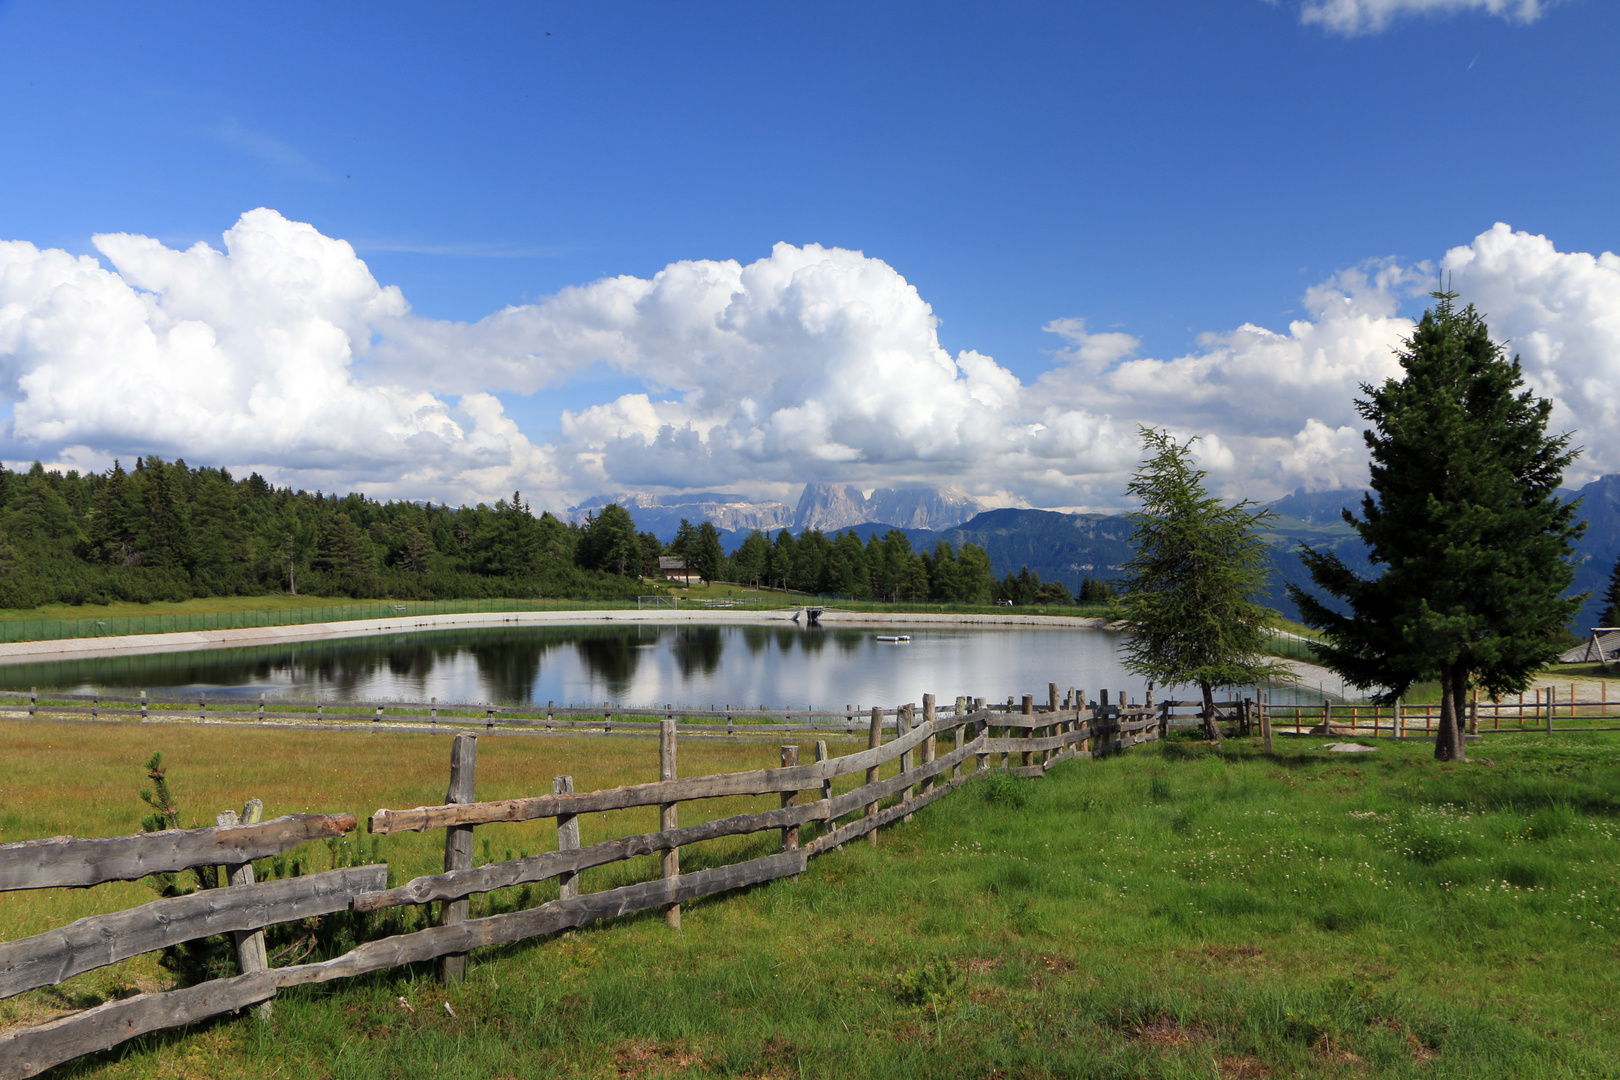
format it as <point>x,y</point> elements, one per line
<point>612,659</point>
<point>697,649</point>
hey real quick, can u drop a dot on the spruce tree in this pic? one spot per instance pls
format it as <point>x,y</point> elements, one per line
<point>709,556</point>
<point>1464,519</point>
<point>1189,586</point>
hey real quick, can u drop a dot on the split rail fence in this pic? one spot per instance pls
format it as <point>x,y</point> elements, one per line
<point>935,751</point>
<point>432,715</point>
<point>1541,710</point>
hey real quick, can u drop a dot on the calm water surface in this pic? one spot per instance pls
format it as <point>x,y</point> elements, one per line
<point>691,665</point>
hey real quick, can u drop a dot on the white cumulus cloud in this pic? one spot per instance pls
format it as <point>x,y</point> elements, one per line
<point>1560,312</point>
<point>1352,17</point>
<point>243,357</point>
<point>281,351</point>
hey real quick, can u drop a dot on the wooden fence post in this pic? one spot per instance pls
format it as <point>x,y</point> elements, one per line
<point>567,838</point>
<point>458,845</point>
<point>826,785</point>
<point>1050,729</point>
<point>790,833</point>
<point>961,732</point>
<point>250,952</point>
<point>143,706</point>
<point>903,717</point>
<point>669,815</point>
<point>1265,726</point>
<point>930,747</point>
<point>1029,733</point>
<point>874,739</point>
<point>981,761</point>
<point>1100,747</point>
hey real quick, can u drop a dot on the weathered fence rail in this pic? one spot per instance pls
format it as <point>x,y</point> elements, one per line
<point>739,720</point>
<point>1020,738</point>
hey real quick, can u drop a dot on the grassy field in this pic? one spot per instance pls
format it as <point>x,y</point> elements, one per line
<point>1179,911</point>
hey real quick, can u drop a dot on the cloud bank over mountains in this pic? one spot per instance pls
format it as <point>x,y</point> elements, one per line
<point>282,352</point>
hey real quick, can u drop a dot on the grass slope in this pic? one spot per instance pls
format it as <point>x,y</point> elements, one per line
<point>1179,911</point>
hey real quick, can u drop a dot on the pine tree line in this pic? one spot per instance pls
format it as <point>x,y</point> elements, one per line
<point>882,568</point>
<point>166,531</point>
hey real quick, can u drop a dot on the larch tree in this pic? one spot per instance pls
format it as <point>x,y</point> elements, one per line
<point>1465,521</point>
<point>1190,611</point>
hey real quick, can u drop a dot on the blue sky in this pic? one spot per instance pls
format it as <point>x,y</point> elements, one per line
<point>1171,171</point>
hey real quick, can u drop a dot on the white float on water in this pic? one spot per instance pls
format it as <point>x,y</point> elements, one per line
<point>898,639</point>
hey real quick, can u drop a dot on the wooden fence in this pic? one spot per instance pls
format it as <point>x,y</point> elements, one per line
<point>1541,711</point>
<point>604,718</point>
<point>935,752</point>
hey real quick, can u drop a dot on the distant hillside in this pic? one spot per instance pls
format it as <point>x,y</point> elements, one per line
<point>1598,549</point>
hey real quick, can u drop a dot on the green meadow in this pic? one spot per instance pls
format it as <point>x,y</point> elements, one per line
<point>1180,910</point>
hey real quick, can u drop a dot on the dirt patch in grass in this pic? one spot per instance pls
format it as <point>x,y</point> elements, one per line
<point>1231,954</point>
<point>645,1057</point>
<point>1241,1067</point>
<point>1165,1030</point>
<point>1331,1053</point>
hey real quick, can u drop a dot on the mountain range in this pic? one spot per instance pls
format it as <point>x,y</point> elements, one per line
<point>821,506</point>
<point>1067,547</point>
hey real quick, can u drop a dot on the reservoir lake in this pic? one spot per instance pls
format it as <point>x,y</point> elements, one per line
<point>692,665</point>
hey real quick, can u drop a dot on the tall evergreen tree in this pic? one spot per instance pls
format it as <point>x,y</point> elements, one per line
<point>855,577</point>
<point>709,555</point>
<point>1188,588</point>
<point>779,564</point>
<point>166,543</point>
<point>609,542</point>
<point>1465,519</point>
<point>973,574</point>
<point>115,519</point>
<point>749,560</point>
<point>944,575</point>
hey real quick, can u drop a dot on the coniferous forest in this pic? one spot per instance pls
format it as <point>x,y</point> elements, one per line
<point>167,531</point>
